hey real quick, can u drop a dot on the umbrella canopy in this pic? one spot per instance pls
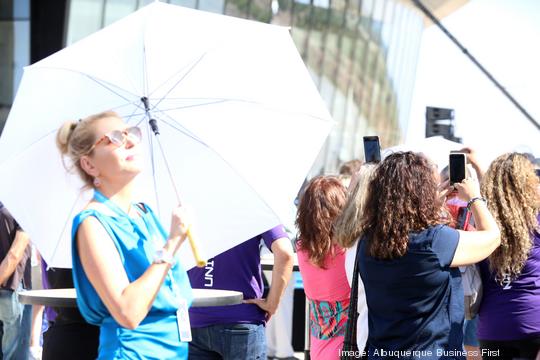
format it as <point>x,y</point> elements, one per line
<point>241,123</point>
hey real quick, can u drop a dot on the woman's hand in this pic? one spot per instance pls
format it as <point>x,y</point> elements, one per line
<point>467,189</point>
<point>472,158</point>
<point>179,228</point>
<point>444,190</point>
<point>268,307</point>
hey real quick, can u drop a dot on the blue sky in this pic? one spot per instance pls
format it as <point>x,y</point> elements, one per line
<point>503,36</point>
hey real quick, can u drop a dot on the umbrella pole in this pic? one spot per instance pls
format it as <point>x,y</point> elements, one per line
<point>200,262</point>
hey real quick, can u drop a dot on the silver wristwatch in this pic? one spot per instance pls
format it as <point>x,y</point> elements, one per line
<point>162,256</point>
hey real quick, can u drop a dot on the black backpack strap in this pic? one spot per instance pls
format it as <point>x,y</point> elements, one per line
<point>350,333</point>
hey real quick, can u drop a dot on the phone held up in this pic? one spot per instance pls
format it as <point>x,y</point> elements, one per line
<point>372,149</point>
<point>456,167</point>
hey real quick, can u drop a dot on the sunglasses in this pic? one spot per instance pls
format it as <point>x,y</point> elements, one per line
<point>120,137</point>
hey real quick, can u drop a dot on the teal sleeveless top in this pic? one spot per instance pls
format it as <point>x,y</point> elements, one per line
<point>136,239</point>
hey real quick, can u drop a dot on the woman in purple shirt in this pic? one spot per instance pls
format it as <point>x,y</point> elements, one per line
<point>509,324</point>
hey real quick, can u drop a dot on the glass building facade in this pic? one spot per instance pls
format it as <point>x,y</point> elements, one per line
<point>362,55</point>
<point>14,50</point>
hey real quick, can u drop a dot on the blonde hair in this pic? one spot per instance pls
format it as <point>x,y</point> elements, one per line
<point>510,186</point>
<point>75,139</point>
<point>347,226</point>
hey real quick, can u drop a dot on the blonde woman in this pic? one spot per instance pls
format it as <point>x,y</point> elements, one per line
<point>509,323</point>
<point>124,267</point>
<point>347,232</point>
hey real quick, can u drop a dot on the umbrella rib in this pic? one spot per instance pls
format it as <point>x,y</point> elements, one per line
<point>218,101</point>
<point>276,108</point>
<point>180,80</point>
<point>223,100</point>
<point>140,121</point>
<point>124,105</point>
<point>31,145</point>
<point>132,103</point>
<point>182,129</point>
<point>179,108</point>
<point>114,92</point>
<point>229,165</point>
<point>65,226</point>
<point>107,85</point>
<point>145,68</point>
<point>152,157</point>
<point>130,117</point>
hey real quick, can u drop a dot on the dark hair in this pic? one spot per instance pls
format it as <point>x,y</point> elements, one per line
<point>402,199</point>
<point>350,167</point>
<point>320,204</point>
<point>529,157</point>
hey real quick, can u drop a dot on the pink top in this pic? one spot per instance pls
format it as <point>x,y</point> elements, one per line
<point>328,291</point>
<point>328,284</point>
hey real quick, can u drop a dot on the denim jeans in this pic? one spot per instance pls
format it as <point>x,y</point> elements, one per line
<point>15,322</point>
<point>228,342</point>
<point>469,332</point>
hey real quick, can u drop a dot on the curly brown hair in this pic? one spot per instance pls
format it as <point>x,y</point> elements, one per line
<point>402,198</point>
<point>319,206</point>
<point>511,188</point>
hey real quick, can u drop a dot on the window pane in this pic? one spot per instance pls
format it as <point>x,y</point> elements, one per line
<point>84,19</point>
<point>184,3</point>
<point>215,6</point>
<point>117,9</point>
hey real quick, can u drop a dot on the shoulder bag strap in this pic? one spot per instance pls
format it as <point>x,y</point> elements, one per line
<point>350,334</point>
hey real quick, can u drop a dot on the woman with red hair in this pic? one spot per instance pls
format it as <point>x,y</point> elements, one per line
<point>322,265</point>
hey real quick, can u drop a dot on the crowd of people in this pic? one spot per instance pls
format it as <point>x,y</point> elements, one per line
<point>400,222</point>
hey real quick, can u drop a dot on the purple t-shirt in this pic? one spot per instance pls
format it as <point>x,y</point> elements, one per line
<point>512,311</point>
<point>50,314</point>
<point>237,269</point>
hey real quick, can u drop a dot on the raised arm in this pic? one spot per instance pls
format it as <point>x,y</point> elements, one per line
<point>475,246</point>
<point>14,255</point>
<point>473,160</point>
<point>127,302</point>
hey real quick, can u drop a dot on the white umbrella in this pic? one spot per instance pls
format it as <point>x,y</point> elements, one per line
<point>240,119</point>
<point>436,148</point>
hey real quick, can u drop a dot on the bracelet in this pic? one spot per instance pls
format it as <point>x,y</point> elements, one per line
<point>164,257</point>
<point>469,204</point>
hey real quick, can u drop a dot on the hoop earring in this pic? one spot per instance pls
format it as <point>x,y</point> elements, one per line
<point>97,182</point>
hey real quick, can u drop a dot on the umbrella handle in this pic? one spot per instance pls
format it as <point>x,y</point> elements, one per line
<point>195,250</point>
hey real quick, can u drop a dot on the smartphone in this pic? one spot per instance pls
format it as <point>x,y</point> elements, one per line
<point>537,172</point>
<point>456,167</point>
<point>372,149</point>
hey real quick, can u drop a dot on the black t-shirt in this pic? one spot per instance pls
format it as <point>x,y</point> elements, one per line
<point>62,279</point>
<point>8,230</point>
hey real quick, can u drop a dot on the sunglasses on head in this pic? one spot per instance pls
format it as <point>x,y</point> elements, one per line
<point>120,137</point>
